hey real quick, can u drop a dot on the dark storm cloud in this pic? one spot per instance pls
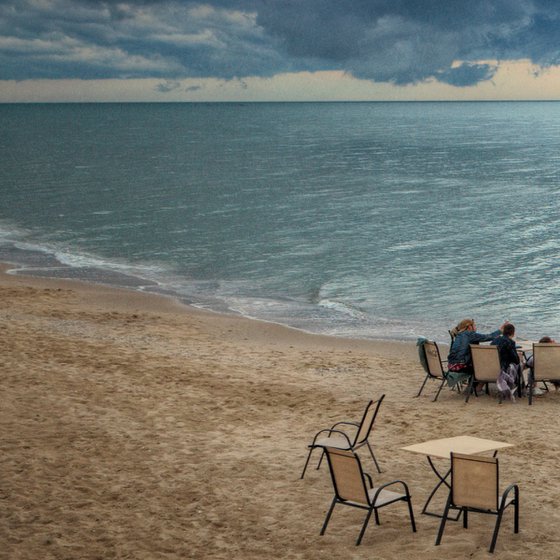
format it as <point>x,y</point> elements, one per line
<point>467,74</point>
<point>398,41</point>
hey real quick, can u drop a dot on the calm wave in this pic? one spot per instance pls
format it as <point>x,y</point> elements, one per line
<point>356,219</point>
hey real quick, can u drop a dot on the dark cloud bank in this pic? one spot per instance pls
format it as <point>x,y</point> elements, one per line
<point>397,41</point>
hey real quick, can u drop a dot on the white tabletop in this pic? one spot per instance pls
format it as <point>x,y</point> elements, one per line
<point>469,445</point>
<point>520,344</point>
<point>525,345</point>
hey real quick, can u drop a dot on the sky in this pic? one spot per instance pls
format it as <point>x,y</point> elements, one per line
<point>278,50</point>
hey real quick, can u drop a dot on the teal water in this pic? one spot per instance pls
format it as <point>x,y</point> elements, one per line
<point>376,220</point>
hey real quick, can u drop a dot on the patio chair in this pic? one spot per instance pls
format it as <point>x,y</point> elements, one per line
<point>430,359</point>
<point>339,435</point>
<point>475,488</point>
<point>354,488</point>
<point>545,365</point>
<point>486,367</point>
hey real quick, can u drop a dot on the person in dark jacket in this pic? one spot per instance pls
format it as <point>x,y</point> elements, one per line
<point>506,346</point>
<point>509,378</point>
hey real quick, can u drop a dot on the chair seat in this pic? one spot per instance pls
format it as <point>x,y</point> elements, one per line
<point>385,497</point>
<point>336,440</point>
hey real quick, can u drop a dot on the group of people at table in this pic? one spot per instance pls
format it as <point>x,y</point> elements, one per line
<point>459,360</point>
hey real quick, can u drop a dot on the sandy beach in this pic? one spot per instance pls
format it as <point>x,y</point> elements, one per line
<point>133,427</point>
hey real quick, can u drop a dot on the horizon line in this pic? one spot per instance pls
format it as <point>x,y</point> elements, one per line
<point>256,101</point>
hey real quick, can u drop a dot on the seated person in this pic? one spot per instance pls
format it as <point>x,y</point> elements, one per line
<point>506,346</point>
<point>510,368</point>
<point>459,360</point>
<point>529,364</point>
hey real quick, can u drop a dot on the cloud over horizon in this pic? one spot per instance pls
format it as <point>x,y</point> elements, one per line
<point>395,41</point>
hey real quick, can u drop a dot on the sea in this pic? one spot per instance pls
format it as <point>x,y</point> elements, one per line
<point>362,220</point>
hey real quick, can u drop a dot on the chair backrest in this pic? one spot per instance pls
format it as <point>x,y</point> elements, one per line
<point>347,476</point>
<point>368,420</point>
<point>474,481</point>
<point>486,362</point>
<point>452,335</point>
<point>433,359</point>
<point>546,361</point>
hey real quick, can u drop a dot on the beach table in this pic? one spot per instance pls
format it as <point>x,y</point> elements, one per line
<point>521,345</point>
<point>442,448</point>
<point>525,345</point>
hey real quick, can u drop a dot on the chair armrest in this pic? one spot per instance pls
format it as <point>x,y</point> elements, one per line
<point>383,486</point>
<point>369,480</point>
<point>331,431</point>
<point>507,491</point>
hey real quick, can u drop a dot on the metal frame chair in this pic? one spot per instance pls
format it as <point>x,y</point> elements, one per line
<point>354,488</point>
<point>475,488</point>
<point>340,439</point>
<point>486,367</point>
<point>434,365</point>
<point>546,365</point>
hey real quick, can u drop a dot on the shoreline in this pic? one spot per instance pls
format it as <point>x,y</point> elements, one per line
<point>136,427</point>
<point>305,321</point>
<point>256,327</point>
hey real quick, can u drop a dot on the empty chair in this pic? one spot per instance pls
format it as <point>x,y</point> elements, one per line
<point>545,365</point>
<point>432,363</point>
<point>353,487</point>
<point>475,488</point>
<point>340,435</point>
<point>486,367</point>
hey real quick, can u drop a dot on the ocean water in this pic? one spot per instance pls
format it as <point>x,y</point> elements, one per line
<point>369,220</point>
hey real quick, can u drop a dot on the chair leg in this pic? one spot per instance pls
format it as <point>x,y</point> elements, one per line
<point>496,530</point>
<point>373,457</point>
<point>307,461</point>
<point>516,514</point>
<point>422,387</point>
<point>321,458</point>
<point>311,448</point>
<point>439,390</point>
<point>327,519</point>
<point>465,518</point>
<point>365,525</point>
<point>470,387</point>
<point>443,520</point>
<point>411,513</point>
